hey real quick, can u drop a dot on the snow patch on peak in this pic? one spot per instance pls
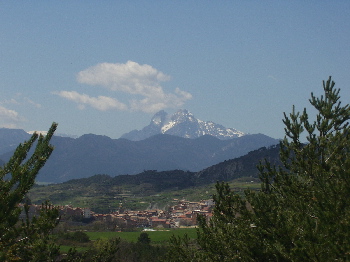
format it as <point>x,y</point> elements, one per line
<point>168,126</point>
<point>44,133</point>
<point>183,115</point>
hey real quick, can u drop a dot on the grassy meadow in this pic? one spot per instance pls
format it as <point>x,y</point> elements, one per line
<point>157,236</point>
<point>100,201</point>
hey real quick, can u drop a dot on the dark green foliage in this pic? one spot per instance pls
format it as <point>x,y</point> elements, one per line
<point>183,249</point>
<point>77,236</point>
<point>100,251</point>
<point>312,190</point>
<point>302,212</point>
<point>144,239</point>
<point>27,239</point>
<point>104,250</point>
<point>116,250</point>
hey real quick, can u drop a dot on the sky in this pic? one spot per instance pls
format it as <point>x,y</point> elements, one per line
<point>106,67</point>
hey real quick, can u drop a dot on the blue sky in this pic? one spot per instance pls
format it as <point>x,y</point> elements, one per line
<point>105,67</point>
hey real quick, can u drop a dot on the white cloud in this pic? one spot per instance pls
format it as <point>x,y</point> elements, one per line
<point>130,78</point>
<point>160,101</point>
<point>185,95</point>
<point>20,100</point>
<point>273,78</point>
<point>9,118</point>
<point>31,102</point>
<point>11,101</point>
<point>101,103</point>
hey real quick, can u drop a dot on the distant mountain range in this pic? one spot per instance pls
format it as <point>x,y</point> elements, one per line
<point>11,138</point>
<point>182,124</point>
<point>94,154</point>
<point>91,154</point>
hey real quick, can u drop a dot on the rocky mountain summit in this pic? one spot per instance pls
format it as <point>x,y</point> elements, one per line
<point>183,124</point>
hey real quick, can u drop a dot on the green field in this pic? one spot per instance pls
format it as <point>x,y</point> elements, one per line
<point>155,236</point>
<point>105,200</point>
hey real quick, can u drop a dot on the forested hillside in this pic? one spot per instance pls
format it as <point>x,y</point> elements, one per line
<point>100,192</point>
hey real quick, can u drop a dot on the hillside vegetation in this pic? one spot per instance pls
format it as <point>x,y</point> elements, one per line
<point>153,189</point>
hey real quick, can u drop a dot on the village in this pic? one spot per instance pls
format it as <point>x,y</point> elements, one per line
<point>182,214</point>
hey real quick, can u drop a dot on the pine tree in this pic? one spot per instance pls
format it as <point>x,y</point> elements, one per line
<point>302,212</point>
<point>144,239</point>
<point>26,239</point>
<point>311,215</point>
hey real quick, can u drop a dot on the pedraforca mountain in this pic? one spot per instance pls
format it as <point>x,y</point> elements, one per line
<point>183,124</point>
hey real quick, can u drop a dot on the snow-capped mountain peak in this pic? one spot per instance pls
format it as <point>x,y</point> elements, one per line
<point>159,118</point>
<point>184,124</point>
<point>181,116</point>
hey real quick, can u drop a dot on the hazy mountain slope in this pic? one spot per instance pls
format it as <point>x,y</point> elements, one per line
<point>95,154</point>
<point>11,138</point>
<point>92,154</point>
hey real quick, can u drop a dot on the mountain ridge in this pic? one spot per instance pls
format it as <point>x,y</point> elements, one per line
<point>96,154</point>
<point>184,124</point>
<point>179,141</point>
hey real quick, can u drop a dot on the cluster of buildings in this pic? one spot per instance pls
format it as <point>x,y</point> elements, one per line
<point>182,213</point>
